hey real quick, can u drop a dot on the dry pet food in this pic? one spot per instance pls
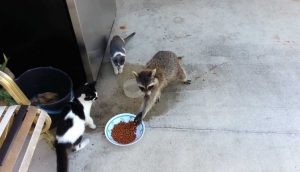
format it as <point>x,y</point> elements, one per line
<point>124,133</point>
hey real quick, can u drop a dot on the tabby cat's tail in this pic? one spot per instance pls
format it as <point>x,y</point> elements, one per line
<point>61,157</point>
<point>129,37</point>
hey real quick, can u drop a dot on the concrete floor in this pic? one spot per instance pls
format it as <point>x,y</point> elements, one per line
<point>242,111</point>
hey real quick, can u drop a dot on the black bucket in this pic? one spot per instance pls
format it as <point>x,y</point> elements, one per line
<point>47,79</point>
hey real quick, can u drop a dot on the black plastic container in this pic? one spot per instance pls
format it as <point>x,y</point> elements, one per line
<point>47,79</point>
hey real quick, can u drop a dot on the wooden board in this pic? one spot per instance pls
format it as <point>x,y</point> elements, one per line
<point>33,142</point>
<point>9,113</point>
<point>18,142</point>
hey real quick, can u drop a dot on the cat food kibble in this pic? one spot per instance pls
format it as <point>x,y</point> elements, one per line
<point>124,133</point>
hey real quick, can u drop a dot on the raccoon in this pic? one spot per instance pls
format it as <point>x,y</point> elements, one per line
<point>163,68</point>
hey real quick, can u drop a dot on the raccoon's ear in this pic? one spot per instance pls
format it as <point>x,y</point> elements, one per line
<point>135,74</point>
<point>153,73</point>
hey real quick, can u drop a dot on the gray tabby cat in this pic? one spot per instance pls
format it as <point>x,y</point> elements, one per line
<point>118,52</point>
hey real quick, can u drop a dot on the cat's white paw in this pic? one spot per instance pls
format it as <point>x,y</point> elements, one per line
<point>115,68</point>
<point>92,126</point>
<point>121,70</point>
<point>81,145</point>
<point>85,142</point>
<point>116,72</point>
<point>90,123</point>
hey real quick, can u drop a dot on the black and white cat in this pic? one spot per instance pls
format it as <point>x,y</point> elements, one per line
<point>70,129</point>
<point>118,52</point>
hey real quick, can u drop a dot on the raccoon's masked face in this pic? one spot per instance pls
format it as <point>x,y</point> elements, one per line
<point>146,80</point>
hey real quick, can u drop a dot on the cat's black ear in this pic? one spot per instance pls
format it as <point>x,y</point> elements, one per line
<point>135,74</point>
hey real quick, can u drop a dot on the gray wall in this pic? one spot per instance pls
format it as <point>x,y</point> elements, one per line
<point>92,22</point>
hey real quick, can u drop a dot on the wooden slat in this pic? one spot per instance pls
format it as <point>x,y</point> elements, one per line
<point>33,142</point>
<point>9,113</point>
<point>17,145</point>
<point>3,135</point>
<point>14,128</point>
<point>2,109</point>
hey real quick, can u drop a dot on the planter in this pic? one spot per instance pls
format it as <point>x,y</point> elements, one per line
<point>47,79</point>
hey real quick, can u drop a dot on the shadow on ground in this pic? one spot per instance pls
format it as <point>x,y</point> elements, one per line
<point>112,99</point>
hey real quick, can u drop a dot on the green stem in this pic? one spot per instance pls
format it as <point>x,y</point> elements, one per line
<point>3,66</point>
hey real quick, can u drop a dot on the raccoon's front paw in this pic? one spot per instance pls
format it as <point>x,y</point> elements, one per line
<point>138,118</point>
<point>187,82</point>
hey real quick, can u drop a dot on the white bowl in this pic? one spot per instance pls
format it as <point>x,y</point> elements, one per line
<point>124,117</point>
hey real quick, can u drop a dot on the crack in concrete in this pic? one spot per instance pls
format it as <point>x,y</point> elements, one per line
<point>229,130</point>
<point>222,130</point>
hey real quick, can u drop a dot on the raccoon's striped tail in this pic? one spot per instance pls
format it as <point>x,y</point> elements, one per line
<point>129,37</point>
